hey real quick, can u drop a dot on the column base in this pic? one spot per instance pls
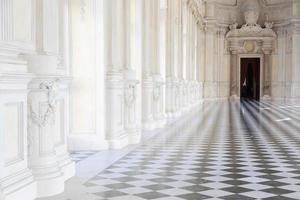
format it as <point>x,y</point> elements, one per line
<point>134,136</point>
<point>118,143</point>
<point>234,97</point>
<point>161,122</point>
<point>50,180</point>
<point>295,90</point>
<point>67,166</point>
<point>149,126</point>
<point>177,114</point>
<point>18,187</point>
<point>266,98</point>
<point>184,109</point>
<point>170,115</point>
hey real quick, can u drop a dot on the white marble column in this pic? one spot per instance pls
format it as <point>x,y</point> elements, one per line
<point>147,68</point>
<point>210,85</point>
<point>267,74</point>
<point>234,93</point>
<point>130,79</point>
<point>180,73</point>
<point>48,100</point>
<point>198,63</point>
<point>188,56</point>
<point>295,93</point>
<point>222,64</point>
<point>171,61</point>
<point>158,82</point>
<point>42,108</point>
<point>186,50</point>
<point>115,61</point>
<point>280,82</point>
<point>202,61</point>
<point>88,71</point>
<point>177,56</point>
<point>194,62</point>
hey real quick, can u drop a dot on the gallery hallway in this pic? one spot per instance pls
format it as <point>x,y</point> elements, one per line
<point>229,150</point>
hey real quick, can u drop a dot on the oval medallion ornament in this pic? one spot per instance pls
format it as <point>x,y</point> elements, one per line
<point>249,46</point>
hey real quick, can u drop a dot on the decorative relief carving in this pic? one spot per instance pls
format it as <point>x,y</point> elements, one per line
<point>253,31</point>
<point>157,90</point>
<point>233,26</point>
<point>177,90</point>
<point>249,46</point>
<point>156,93</point>
<point>269,25</point>
<point>130,93</point>
<point>251,18</point>
<point>51,88</point>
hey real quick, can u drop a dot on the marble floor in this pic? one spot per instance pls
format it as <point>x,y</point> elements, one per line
<point>228,150</point>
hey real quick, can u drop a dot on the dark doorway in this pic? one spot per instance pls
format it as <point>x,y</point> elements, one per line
<point>250,78</point>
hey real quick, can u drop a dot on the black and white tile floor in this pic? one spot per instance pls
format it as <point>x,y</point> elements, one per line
<point>230,150</point>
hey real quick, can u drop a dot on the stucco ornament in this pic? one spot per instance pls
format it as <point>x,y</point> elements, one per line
<point>251,11</point>
<point>269,25</point>
<point>233,26</point>
<point>130,93</point>
<point>177,90</point>
<point>157,91</point>
<point>51,88</point>
<point>251,18</point>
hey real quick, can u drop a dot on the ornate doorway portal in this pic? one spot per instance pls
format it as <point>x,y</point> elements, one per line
<point>250,78</point>
<point>251,39</point>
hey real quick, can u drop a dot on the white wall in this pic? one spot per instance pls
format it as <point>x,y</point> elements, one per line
<point>33,51</point>
<point>87,115</point>
<point>16,33</point>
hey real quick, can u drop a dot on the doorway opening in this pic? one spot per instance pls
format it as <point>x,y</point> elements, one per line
<point>250,78</point>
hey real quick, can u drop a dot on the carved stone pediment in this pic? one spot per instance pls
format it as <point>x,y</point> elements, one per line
<point>255,31</point>
<point>251,39</point>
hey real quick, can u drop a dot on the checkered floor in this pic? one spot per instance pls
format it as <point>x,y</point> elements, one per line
<point>229,150</point>
<point>78,156</point>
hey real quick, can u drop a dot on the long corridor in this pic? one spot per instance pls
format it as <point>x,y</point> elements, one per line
<point>229,150</point>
